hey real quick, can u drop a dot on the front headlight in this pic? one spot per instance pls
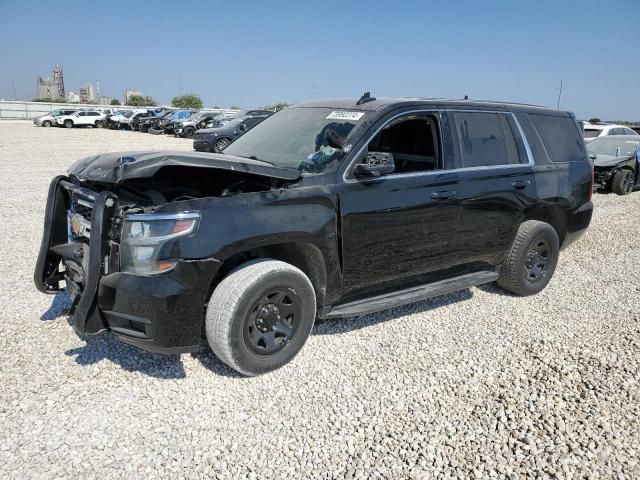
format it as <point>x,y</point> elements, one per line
<point>144,235</point>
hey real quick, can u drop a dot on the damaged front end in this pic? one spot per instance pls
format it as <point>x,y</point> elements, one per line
<point>79,234</point>
<point>116,234</point>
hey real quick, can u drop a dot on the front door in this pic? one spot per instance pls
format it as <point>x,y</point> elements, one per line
<point>400,228</point>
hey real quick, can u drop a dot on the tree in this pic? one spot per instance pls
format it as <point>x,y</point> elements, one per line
<point>594,120</point>
<point>140,101</point>
<point>115,101</point>
<point>235,107</point>
<point>277,107</point>
<point>190,100</point>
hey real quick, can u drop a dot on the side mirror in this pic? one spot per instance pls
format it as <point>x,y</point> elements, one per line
<point>375,165</point>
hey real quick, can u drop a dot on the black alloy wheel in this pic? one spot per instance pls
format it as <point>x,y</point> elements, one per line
<point>221,144</point>
<point>537,260</point>
<point>273,321</point>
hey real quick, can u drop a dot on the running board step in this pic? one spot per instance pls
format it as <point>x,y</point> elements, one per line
<point>411,295</point>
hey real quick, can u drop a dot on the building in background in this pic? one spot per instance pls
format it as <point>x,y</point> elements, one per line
<point>52,87</point>
<point>102,100</point>
<point>73,97</point>
<point>87,94</point>
<point>129,93</point>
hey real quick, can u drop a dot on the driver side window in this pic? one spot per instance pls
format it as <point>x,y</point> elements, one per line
<point>412,141</point>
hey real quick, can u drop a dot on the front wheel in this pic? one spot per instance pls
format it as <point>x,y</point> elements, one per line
<point>622,183</point>
<point>533,257</point>
<point>188,132</point>
<point>46,123</point>
<point>260,316</point>
<point>221,144</point>
<point>68,124</point>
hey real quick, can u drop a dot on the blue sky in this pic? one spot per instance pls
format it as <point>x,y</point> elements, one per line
<point>252,53</point>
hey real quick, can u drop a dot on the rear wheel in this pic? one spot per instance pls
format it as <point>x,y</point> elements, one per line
<point>622,183</point>
<point>46,123</point>
<point>533,257</point>
<point>221,144</point>
<point>188,132</point>
<point>68,123</point>
<point>260,316</point>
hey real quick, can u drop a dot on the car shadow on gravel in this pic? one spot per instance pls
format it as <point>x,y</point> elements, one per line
<point>132,359</point>
<point>59,306</point>
<point>495,289</point>
<point>348,324</point>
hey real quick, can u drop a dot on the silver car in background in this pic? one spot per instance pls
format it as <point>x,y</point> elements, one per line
<point>49,119</point>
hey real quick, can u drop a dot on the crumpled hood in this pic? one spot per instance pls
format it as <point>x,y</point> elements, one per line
<point>602,160</point>
<point>119,166</point>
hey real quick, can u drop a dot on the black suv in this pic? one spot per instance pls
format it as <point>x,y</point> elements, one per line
<point>325,209</point>
<point>216,139</point>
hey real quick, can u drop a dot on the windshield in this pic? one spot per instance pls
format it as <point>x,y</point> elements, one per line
<point>591,132</point>
<point>297,138</point>
<point>609,146</point>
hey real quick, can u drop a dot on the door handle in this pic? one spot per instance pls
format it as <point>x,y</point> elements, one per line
<point>521,184</point>
<point>443,195</point>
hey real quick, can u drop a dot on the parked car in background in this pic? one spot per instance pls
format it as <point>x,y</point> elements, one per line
<point>49,120</point>
<point>327,209</point>
<point>615,163</point>
<point>149,122</point>
<point>103,110</point>
<point>225,117</point>
<point>166,125</point>
<point>216,139</point>
<point>122,120</point>
<point>137,120</point>
<point>592,131</point>
<point>187,127</point>
<point>82,118</point>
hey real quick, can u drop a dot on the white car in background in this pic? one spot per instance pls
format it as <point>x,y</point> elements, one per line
<point>81,119</point>
<point>123,118</point>
<point>592,131</point>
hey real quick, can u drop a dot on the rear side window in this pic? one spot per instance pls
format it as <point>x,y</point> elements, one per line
<point>560,137</point>
<point>484,139</point>
<point>591,133</point>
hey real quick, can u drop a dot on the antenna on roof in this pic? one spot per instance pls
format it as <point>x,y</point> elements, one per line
<point>366,97</point>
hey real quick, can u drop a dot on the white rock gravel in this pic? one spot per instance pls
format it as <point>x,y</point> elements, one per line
<point>476,384</point>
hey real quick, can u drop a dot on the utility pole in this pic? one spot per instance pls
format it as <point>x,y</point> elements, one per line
<point>559,95</point>
<point>13,84</point>
<point>314,90</point>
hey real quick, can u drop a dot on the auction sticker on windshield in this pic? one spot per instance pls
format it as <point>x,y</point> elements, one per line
<point>354,116</point>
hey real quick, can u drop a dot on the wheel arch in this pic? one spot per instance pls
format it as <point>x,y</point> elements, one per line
<point>303,255</point>
<point>555,215</point>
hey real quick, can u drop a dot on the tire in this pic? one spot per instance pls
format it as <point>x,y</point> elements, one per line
<point>622,183</point>
<point>188,132</point>
<point>68,124</point>
<point>97,124</point>
<point>529,265</point>
<point>46,123</point>
<point>221,144</point>
<point>247,305</point>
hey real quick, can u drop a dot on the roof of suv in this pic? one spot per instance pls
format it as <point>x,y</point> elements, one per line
<point>380,103</point>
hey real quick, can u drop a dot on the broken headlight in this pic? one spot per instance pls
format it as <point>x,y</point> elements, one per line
<point>144,235</point>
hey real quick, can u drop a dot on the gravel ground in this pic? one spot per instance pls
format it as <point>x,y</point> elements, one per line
<point>473,384</point>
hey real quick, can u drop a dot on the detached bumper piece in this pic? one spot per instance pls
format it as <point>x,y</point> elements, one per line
<point>85,262</point>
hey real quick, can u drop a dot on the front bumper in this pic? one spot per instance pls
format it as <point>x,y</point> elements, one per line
<point>161,313</point>
<point>602,178</point>
<point>203,144</point>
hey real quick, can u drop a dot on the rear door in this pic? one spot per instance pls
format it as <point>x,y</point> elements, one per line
<point>496,184</point>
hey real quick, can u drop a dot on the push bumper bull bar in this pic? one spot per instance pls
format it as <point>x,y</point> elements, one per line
<point>85,316</point>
